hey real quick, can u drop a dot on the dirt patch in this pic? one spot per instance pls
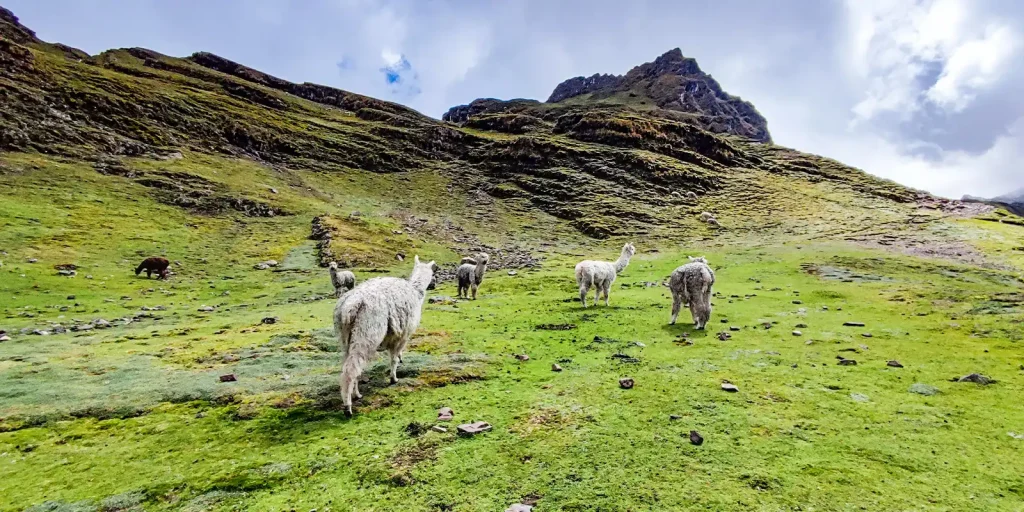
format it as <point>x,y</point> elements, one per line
<point>959,252</point>
<point>832,273</point>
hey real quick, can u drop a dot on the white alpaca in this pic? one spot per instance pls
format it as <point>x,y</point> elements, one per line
<point>471,273</point>
<point>343,280</point>
<point>691,195</point>
<point>691,284</point>
<point>704,216</point>
<point>601,274</point>
<point>381,312</point>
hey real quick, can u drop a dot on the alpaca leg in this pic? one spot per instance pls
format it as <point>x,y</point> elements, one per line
<point>607,288</point>
<point>355,391</point>
<point>475,286</point>
<point>349,381</point>
<point>677,301</point>
<point>395,358</point>
<point>597,294</point>
<point>583,294</point>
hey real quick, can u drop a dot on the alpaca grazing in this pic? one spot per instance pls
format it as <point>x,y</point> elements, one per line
<point>601,274</point>
<point>343,280</point>
<point>380,312</point>
<point>154,264</point>
<point>691,284</point>
<point>470,274</point>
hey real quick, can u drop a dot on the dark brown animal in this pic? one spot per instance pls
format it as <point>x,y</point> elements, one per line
<point>151,265</point>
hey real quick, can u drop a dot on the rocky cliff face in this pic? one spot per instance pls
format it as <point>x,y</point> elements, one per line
<point>672,82</point>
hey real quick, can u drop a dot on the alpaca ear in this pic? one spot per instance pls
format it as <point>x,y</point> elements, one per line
<point>433,266</point>
<point>416,259</point>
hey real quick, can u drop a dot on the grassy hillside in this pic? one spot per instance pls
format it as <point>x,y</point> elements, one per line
<point>120,406</point>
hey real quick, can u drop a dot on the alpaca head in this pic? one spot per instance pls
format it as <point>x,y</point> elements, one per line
<point>698,259</point>
<point>333,265</point>
<point>483,258</point>
<point>629,249</point>
<point>424,272</point>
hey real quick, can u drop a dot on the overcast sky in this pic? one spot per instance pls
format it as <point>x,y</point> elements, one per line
<point>924,92</point>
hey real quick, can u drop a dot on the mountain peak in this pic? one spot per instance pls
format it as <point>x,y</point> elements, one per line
<point>672,82</point>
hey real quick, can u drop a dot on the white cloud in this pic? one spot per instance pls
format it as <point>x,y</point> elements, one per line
<point>896,45</point>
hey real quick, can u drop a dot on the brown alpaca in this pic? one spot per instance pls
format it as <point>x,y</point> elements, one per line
<point>151,265</point>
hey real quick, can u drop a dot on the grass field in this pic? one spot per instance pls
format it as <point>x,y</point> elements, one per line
<point>134,417</point>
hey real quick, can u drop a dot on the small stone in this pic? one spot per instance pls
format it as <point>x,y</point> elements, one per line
<point>471,429</point>
<point>4,338</point>
<point>894,364</point>
<point>730,387</point>
<point>83,327</point>
<point>555,367</point>
<point>674,417</point>
<point>976,378</point>
<point>808,342</point>
<point>866,334</point>
<point>101,323</point>
<point>857,397</point>
<point>733,328</point>
<point>853,324</point>
<point>767,325</point>
<point>512,272</point>
<point>71,297</point>
<point>725,320</point>
<point>445,414</point>
<point>519,507</point>
<point>626,383</point>
<point>522,357</point>
<point>724,336</point>
<point>400,257</point>
<point>439,428</point>
<point>40,332</point>
<point>798,302</point>
<point>797,333</point>
<point>639,344</point>
<point>32,260</point>
<point>847,362</point>
<point>273,190</point>
<point>923,389</point>
<point>269,320</point>
<point>695,438</point>
<point>801,326</point>
<point>228,378</point>
<point>205,309</point>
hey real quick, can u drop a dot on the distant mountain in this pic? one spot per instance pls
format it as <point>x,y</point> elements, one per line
<point>1012,197</point>
<point>671,82</point>
<point>1013,202</point>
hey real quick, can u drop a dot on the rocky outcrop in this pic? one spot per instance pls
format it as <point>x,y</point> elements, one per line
<point>584,85</point>
<point>674,82</point>
<point>11,28</point>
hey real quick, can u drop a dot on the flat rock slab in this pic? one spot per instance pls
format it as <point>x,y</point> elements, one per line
<point>924,389</point>
<point>730,387</point>
<point>472,429</point>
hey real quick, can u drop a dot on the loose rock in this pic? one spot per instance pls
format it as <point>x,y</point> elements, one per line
<point>269,320</point>
<point>730,387</point>
<point>724,336</point>
<point>205,309</point>
<point>522,357</point>
<point>519,507</point>
<point>439,428</point>
<point>626,383</point>
<point>797,333</point>
<point>847,362</point>
<point>866,334</point>
<point>976,378</point>
<point>894,364</point>
<point>228,378</point>
<point>471,429</point>
<point>555,367</point>
<point>853,324</point>
<point>101,323</point>
<point>733,328</point>
<point>445,414</point>
<point>923,389</point>
<point>695,438</point>
<point>801,326</point>
<point>4,338</point>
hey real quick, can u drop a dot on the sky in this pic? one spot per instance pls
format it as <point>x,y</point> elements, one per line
<point>923,92</point>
